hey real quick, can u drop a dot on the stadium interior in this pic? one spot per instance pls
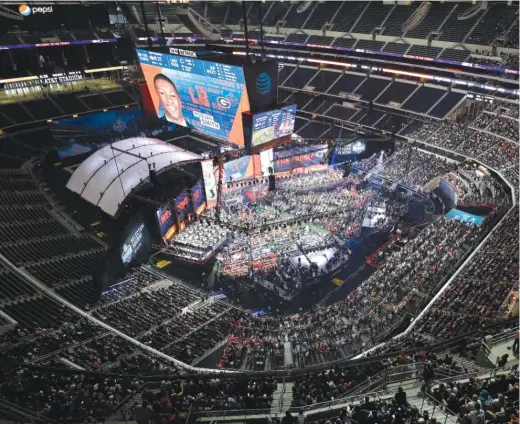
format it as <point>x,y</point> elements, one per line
<point>269,212</point>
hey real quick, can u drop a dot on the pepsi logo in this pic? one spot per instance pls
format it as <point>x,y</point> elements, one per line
<point>24,10</point>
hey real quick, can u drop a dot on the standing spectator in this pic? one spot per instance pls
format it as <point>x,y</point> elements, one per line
<point>400,397</point>
<point>288,419</point>
<point>476,416</point>
<point>515,343</point>
<point>301,418</point>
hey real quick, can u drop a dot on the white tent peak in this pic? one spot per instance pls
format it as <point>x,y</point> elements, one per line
<point>109,175</point>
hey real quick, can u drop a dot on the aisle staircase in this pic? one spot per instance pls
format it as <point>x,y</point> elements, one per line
<point>282,398</point>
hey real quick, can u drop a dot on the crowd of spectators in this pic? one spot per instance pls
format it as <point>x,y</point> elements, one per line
<point>383,299</point>
<point>136,279</point>
<point>282,255</point>
<point>62,396</point>
<point>197,241</point>
<point>493,400</point>
<point>505,127</point>
<point>203,394</point>
<point>318,387</point>
<point>473,300</point>
<point>190,335</point>
<point>143,310</point>
<point>493,151</point>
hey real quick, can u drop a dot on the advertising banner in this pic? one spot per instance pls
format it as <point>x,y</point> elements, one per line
<point>465,217</point>
<point>90,132</point>
<point>136,245</point>
<point>262,85</point>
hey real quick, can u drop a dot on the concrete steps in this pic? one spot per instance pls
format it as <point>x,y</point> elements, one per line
<point>287,396</point>
<point>282,398</point>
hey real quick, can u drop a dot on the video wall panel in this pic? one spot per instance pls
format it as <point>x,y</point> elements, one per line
<point>183,206</point>
<point>274,124</point>
<point>206,96</point>
<point>90,132</point>
<point>137,243</point>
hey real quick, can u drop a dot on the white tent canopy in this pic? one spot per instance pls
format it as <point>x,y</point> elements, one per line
<point>107,176</point>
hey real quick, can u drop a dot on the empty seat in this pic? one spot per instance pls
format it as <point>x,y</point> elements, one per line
<point>372,18</point>
<point>347,15</point>
<point>455,54</point>
<point>399,48</point>
<point>394,23</point>
<point>344,42</point>
<point>446,104</point>
<point>297,37</point>
<point>321,40</point>
<point>95,101</point>
<point>301,77</point>
<point>424,51</point>
<point>397,92</point>
<point>322,14</point>
<point>372,87</point>
<point>346,84</point>
<point>455,30</point>
<point>369,45</point>
<point>432,21</point>
<point>423,99</point>
<point>276,13</point>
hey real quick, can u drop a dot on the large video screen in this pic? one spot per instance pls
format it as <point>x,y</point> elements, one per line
<point>88,133</point>
<point>311,159</point>
<point>238,169</point>
<point>183,206</point>
<point>210,175</point>
<point>165,219</point>
<point>198,198</point>
<point>206,96</point>
<point>269,126</point>
<point>136,245</point>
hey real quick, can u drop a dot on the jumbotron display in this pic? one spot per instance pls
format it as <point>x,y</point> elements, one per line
<point>274,124</point>
<point>206,96</point>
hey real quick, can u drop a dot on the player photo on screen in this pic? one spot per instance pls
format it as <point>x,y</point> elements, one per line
<point>206,96</point>
<point>170,104</point>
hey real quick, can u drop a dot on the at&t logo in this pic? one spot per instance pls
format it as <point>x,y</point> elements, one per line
<point>25,10</point>
<point>263,83</point>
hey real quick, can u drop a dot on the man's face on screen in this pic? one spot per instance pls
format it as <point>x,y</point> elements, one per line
<point>170,100</point>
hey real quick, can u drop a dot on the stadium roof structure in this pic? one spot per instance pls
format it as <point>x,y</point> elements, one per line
<point>110,174</point>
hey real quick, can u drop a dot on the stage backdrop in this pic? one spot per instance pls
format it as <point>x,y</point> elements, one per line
<point>91,132</point>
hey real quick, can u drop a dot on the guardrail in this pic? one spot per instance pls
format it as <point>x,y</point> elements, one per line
<point>502,337</point>
<point>449,414</point>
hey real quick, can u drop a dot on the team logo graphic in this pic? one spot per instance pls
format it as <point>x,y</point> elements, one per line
<point>119,126</point>
<point>126,256</point>
<point>24,10</point>
<point>222,101</point>
<point>263,83</point>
